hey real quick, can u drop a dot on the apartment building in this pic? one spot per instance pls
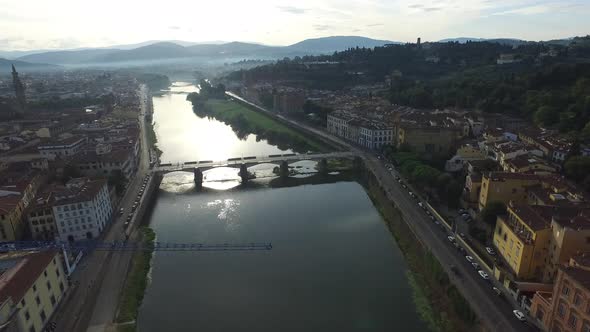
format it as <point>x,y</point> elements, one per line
<point>82,209</point>
<point>31,287</point>
<point>63,148</point>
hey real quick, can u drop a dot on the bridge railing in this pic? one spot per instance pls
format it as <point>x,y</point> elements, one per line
<point>259,159</point>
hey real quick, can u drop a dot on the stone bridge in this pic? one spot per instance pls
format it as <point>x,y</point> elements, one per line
<point>198,167</point>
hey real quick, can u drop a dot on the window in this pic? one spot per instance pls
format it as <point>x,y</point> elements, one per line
<point>577,299</point>
<point>540,314</point>
<point>34,288</point>
<point>561,310</point>
<point>586,327</point>
<point>57,272</point>
<point>565,290</point>
<point>38,300</point>
<point>48,286</point>
<point>22,302</point>
<point>572,321</point>
<point>32,328</point>
<point>45,273</point>
<point>27,316</point>
<point>61,286</point>
<point>42,315</point>
<point>53,300</point>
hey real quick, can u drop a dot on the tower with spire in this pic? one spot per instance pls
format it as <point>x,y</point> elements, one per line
<point>19,90</point>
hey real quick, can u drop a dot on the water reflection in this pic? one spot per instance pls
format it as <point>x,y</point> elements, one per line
<point>183,136</point>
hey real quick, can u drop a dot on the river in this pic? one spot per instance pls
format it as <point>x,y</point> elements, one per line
<point>334,266</point>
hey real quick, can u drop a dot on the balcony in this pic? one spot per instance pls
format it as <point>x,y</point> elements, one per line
<point>519,230</point>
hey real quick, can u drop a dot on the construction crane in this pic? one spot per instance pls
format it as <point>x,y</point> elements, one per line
<point>128,246</point>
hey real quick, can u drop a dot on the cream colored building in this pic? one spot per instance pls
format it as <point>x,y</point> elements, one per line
<point>31,287</point>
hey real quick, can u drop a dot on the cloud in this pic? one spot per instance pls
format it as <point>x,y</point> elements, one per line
<point>322,27</point>
<point>539,8</point>
<point>292,10</point>
<point>174,27</point>
<point>375,25</point>
<point>423,8</point>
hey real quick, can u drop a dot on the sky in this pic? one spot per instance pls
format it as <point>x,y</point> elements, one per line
<point>61,24</point>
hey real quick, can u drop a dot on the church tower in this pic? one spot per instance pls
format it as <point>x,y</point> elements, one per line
<point>19,90</point>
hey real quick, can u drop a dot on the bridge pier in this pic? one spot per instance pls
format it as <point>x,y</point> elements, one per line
<point>198,177</point>
<point>244,173</point>
<point>323,166</point>
<point>284,169</point>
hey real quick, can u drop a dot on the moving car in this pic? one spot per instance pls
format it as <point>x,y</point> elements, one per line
<point>483,275</point>
<point>519,315</point>
<point>490,251</point>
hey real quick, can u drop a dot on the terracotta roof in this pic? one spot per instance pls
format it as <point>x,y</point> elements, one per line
<point>8,203</point>
<point>501,176</point>
<point>535,216</point>
<point>75,195</point>
<point>580,276</point>
<point>16,281</point>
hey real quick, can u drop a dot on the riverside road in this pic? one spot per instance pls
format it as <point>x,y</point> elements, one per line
<point>495,313</point>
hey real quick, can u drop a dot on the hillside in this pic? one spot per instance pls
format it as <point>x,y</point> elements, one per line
<point>22,66</point>
<point>170,50</point>
<point>336,43</point>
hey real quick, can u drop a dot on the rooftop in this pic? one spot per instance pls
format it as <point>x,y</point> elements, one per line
<point>19,274</point>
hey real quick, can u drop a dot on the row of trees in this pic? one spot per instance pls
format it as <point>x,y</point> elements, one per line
<point>206,91</point>
<point>436,183</point>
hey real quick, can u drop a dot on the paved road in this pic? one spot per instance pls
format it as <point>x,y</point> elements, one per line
<point>99,279</point>
<point>495,313</point>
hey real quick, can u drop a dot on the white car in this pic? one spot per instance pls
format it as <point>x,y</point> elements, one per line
<point>451,238</point>
<point>490,251</point>
<point>469,259</point>
<point>483,275</point>
<point>519,315</point>
<point>475,265</point>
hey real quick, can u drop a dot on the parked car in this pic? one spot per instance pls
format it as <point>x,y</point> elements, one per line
<point>462,211</point>
<point>451,238</point>
<point>121,210</point>
<point>497,291</point>
<point>420,204</point>
<point>490,251</point>
<point>519,315</point>
<point>404,186</point>
<point>475,265</point>
<point>129,217</point>
<point>462,235</point>
<point>484,275</point>
<point>432,217</point>
<point>411,194</point>
<point>469,259</point>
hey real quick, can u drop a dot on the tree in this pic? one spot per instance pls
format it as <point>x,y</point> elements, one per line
<point>577,167</point>
<point>490,213</point>
<point>117,180</point>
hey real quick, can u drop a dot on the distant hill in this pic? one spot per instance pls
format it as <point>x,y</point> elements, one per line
<point>336,43</point>
<point>504,41</point>
<point>21,66</point>
<point>67,57</point>
<point>166,50</point>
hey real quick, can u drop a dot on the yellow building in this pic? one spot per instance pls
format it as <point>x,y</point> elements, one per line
<point>570,236</point>
<point>505,187</point>
<point>522,239</point>
<point>428,139</point>
<point>31,287</point>
<point>11,224</point>
<point>529,164</point>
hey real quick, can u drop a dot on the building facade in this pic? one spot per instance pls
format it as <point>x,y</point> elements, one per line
<point>82,210</point>
<point>31,288</point>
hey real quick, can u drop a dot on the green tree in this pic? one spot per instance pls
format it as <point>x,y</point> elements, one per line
<point>490,213</point>
<point>577,167</point>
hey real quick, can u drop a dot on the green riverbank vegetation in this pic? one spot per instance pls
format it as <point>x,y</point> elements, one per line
<point>135,284</point>
<point>438,302</point>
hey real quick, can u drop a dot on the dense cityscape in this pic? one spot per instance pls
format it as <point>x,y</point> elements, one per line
<point>472,157</point>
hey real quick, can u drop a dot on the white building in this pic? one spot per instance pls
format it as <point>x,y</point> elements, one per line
<point>375,135</point>
<point>63,148</point>
<point>82,209</point>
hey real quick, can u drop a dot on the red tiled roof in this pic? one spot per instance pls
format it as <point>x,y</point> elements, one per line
<point>15,285</point>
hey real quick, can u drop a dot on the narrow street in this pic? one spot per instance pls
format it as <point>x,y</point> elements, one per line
<point>98,280</point>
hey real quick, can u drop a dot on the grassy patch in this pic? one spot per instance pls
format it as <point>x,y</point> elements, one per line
<point>135,284</point>
<point>152,139</point>
<point>247,121</point>
<point>437,301</point>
